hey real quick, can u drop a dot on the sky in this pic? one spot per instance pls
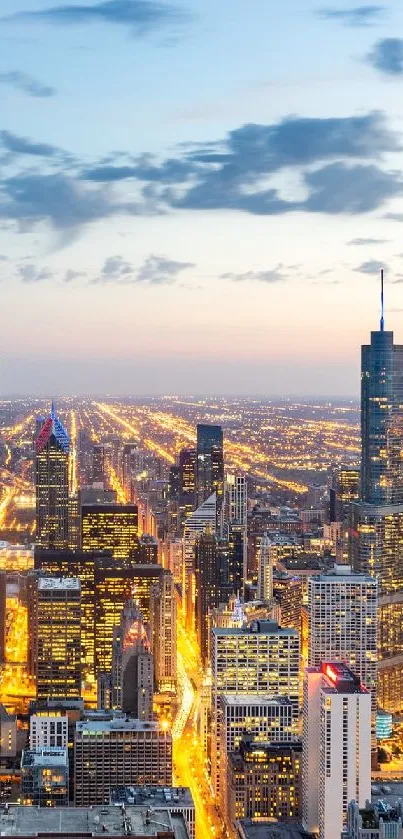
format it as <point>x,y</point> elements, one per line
<point>197,197</point>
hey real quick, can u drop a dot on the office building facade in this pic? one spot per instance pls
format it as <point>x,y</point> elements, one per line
<point>116,752</point>
<point>261,659</point>
<point>264,782</point>
<point>343,624</point>
<point>57,638</point>
<point>112,528</point>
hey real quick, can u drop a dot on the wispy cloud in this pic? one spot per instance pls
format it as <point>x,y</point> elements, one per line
<point>71,275</point>
<point>31,274</point>
<point>387,56</point>
<point>138,16</point>
<point>367,242</point>
<point>371,267</point>
<point>22,145</point>
<point>27,84</point>
<point>273,275</point>
<point>357,16</point>
<point>156,270</point>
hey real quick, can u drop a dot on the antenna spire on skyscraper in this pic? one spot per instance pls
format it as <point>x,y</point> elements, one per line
<point>382,318</point>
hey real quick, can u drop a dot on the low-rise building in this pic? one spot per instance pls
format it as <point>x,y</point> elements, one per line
<point>45,777</point>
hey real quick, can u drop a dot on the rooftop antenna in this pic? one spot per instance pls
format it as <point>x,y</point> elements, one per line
<point>382,318</point>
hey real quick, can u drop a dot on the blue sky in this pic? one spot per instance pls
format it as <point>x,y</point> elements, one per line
<point>197,196</point>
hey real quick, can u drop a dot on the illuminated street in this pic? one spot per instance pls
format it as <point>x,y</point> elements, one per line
<point>16,686</point>
<point>189,768</point>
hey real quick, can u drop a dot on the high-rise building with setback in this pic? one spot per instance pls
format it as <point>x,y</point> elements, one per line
<point>163,631</point>
<point>110,527</point>
<point>57,638</point>
<point>210,463</point>
<point>376,531</point>
<point>52,484</point>
<point>260,659</point>
<point>336,764</point>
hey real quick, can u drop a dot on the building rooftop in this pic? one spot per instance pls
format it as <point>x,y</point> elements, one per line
<point>59,583</point>
<point>338,678</point>
<point>388,792</point>
<point>257,627</point>
<point>270,830</point>
<point>152,796</point>
<point>16,820</point>
<point>116,723</point>
<point>250,699</point>
<point>50,756</point>
<point>343,573</point>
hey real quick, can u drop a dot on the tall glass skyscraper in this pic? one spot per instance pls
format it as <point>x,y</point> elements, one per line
<point>52,484</point>
<point>382,420</point>
<point>210,463</point>
<point>376,531</point>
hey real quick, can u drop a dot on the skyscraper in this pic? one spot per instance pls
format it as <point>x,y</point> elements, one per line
<point>210,463</point>
<point>98,471</point>
<point>57,638</point>
<point>110,527</point>
<point>207,586</point>
<point>381,419</point>
<point>376,532</point>
<point>377,549</point>
<point>205,517</point>
<point>236,498</point>
<point>336,765</point>
<point>52,484</point>
<point>163,631</point>
<point>187,481</point>
<point>343,623</point>
<point>81,565</point>
<point>259,660</point>
<point>113,583</point>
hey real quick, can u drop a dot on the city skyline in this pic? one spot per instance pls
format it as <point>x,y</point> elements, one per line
<point>175,224</point>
